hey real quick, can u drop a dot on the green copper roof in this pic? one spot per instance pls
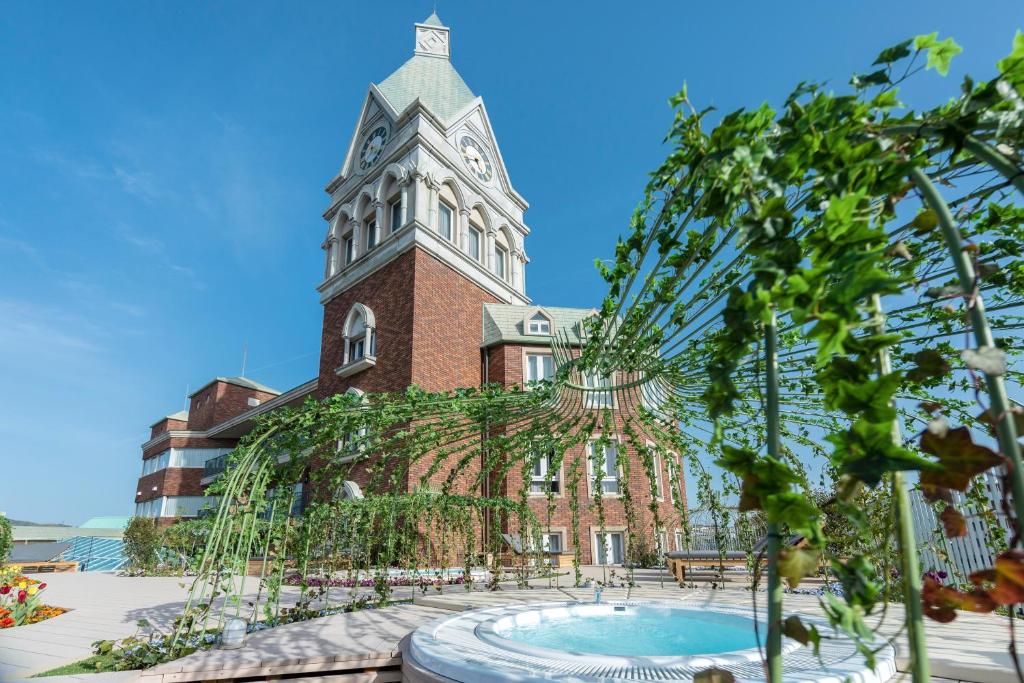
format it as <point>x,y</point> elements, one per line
<point>433,80</point>
<point>503,323</point>
<point>433,20</point>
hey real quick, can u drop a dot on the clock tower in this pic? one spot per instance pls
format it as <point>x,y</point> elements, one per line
<point>424,228</point>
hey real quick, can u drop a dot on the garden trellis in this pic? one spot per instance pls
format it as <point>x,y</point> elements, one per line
<point>837,282</point>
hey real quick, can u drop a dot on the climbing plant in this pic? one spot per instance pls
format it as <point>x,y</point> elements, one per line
<point>832,289</point>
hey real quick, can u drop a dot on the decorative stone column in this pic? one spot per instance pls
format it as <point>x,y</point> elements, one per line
<point>404,212</point>
<point>419,211</point>
<point>516,257</point>
<point>489,246</point>
<point>432,204</point>
<point>353,226</point>
<point>378,207</point>
<point>462,236</point>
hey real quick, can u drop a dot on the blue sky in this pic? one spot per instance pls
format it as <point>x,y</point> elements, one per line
<point>162,169</point>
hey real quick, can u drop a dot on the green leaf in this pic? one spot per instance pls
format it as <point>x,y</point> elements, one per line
<point>925,221</point>
<point>929,364</point>
<point>793,628</point>
<point>940,52</point>
<point>1012,66</point>
<point>960,459</point>
<point>797,563</point>
<point>894,53</point>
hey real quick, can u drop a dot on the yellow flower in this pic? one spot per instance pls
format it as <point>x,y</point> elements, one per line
<point>22,585</point>
<point>32,590</point>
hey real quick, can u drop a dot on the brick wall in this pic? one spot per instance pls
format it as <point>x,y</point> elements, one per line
<point>221,401</point>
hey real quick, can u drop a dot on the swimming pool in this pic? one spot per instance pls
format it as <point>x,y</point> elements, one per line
<point>618,641</point>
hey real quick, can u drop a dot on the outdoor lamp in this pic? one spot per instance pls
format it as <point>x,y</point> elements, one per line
<point>233,635</point>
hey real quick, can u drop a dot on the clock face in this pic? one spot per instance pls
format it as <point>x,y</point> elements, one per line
<point>373,147</point>
<point>476,158</point>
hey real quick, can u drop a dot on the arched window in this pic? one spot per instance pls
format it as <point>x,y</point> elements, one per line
<point>360,340</point>
<point>503,256</point>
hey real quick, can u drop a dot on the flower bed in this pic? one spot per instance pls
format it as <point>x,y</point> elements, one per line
<point>20,600</point>
<point>370,582</point>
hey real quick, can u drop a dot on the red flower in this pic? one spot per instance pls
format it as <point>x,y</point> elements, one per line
<point>7,622</point>
<point>5,589</point>
<point>22,595</point>
<point>43,585</point>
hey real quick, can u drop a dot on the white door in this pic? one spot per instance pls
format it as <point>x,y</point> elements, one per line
<point>609,547</point>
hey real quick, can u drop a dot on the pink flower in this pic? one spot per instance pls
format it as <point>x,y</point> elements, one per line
<point>42,586</point>
<point>5,589</point>
<point>22,595</point>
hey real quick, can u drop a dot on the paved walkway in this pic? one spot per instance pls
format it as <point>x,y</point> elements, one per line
<point>973,648</point>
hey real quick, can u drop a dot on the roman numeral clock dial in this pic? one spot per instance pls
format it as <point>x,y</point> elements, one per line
<point>476,159</point>
<point>373,147</point>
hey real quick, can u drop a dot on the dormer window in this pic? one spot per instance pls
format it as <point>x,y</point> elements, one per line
<point>538,324</point>
<point>445,216</point>
<point>360,341</point>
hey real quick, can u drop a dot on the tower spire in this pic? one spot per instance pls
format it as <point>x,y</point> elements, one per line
<point>433,38</point>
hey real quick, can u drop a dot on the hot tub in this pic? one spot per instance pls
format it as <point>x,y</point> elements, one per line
<point>617,641</point>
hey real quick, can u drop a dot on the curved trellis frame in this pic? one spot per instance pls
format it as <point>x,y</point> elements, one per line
<point>788,297</point>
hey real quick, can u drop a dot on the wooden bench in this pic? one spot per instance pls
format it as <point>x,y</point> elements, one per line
<point>679,562</point>
<point>45,567</point>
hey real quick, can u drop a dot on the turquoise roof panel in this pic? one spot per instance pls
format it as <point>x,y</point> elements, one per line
<point>503,323</point>
<point>433,80</point>
<point>433,20</point>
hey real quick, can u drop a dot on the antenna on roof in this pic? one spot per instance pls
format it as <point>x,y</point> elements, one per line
<point>245,356</point>
<point>187,387</point>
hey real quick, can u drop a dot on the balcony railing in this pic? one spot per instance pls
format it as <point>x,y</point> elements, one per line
<point>215,466</point>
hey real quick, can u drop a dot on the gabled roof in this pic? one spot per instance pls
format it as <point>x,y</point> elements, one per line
<point>431,79</point>
<point>503,323</point>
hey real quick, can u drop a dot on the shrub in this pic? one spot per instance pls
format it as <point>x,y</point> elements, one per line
<point>6,539</point>
<point>141,542</point>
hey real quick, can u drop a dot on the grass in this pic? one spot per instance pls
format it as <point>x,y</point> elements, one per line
<point>82,666</point>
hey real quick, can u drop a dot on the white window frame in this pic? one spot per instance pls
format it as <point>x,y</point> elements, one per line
<point>597,400</point>
<point>350,362</point>
<point>606,545</point>
<point>501,262</point>
<point>538,323</point>
<point>349,248</point>
<point>659,479</point>
<point>395,214</point>
<point>673,463</point>
<point>474,241</point>
<point>677,536</point>
<point>608,477</point>
<point>545,477</point>
<point>443,208</point>
<point>529,381</point>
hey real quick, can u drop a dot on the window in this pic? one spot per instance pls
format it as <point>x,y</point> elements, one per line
<point>359,335</point>
<point>660,543</point>
<point>658,483</point>
<point>674,476</point>
<point>598,399</point>
<point>539,367</point>
<point>371,234</point>
<point>396,214</point>
<point>444,220</point>
<point>610,547</point>
<point>680,543</point>
<point>538,324</point>
<point>604,458</point>
<point>550,541</point>
<point>350,248</point>
<point>501,261</point>
<point>474,243</point>
<point>352,444</point>
<point>544,477</point>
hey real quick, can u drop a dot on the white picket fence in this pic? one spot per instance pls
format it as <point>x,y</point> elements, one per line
<point>967,554</point>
